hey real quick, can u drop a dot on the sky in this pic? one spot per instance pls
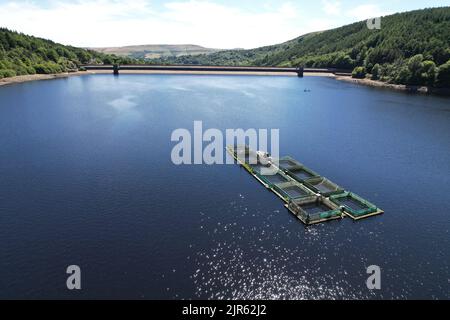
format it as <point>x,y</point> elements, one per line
<point>223,24</point>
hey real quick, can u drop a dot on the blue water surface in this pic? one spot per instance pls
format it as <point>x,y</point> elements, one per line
<point>86,178</point>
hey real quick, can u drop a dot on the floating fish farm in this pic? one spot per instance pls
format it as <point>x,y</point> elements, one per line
<point>309,196</point>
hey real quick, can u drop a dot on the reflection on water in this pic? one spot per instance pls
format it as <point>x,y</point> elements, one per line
<point>124,103</point>
<point>254,263</point>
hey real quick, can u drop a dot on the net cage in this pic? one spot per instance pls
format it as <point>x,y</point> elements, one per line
<point>323,186</point>
<point>353,204</point>
<point>301,173</point>
<point>314,209</point>
<point>273,179</point>
<point>311,197</point>
<point>286,163</point>
<point>292,190</point>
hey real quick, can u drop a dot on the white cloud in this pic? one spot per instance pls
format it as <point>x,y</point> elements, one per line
<point>366,11</point>
<point>130,22</point>
<point>332,8</point>
<point>230,27</point>
<point>110,23</point>
<point>320,24</point>
<point>75,22</point>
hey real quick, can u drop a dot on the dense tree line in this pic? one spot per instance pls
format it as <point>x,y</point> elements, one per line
<point>21,55</point>
<point>410,48</point>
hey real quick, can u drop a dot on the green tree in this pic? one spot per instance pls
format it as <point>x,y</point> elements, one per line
<point>443,75</point>
<point>52,55</point>
<point>21,54</point>
<point>402,75</point>
<point>415,66</point>
<point>429,72</point>
<point>359,73</point>
<point>394,48</point>
<point>376,72</point>
<point>5,73</point>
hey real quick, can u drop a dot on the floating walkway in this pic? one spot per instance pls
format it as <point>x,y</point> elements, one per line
<point>309,196</point>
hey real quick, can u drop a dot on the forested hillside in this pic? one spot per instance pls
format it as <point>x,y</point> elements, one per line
<point>21,54</point>
<point>235,57</point>
<point>410,48</point>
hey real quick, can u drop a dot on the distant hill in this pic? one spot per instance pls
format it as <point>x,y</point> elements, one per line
<point>156,51</point>
<point>234,57</point>
<point>21,54</point>
<point>410,48</point>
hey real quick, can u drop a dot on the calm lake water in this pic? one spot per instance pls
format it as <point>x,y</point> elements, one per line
<point>86,178</point>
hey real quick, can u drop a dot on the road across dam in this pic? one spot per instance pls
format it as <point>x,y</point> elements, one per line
<point>144,67</point>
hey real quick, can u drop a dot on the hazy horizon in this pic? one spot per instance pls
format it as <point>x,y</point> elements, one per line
<point>214,24</point>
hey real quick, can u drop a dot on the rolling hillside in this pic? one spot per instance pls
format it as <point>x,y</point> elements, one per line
<point>21,55</point>
<point>236,57</point>
<point>411,48</point>
<point>156,51</point>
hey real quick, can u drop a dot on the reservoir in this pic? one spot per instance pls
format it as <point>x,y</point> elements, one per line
<point>86,179</point>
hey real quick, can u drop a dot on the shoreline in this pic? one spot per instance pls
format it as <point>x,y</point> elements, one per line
<point>38,77</point>
<point>397,87</point>
<point>365,82</point>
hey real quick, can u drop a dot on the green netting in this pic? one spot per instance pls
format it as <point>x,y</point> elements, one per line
<point>301,173</point>
<point>323,186</point>
<point>305,191</point>
<point>292,190</point>
<point>314,208</point>
<point>273,179</point>
<point>286,163</point>
<point>353,204</point>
